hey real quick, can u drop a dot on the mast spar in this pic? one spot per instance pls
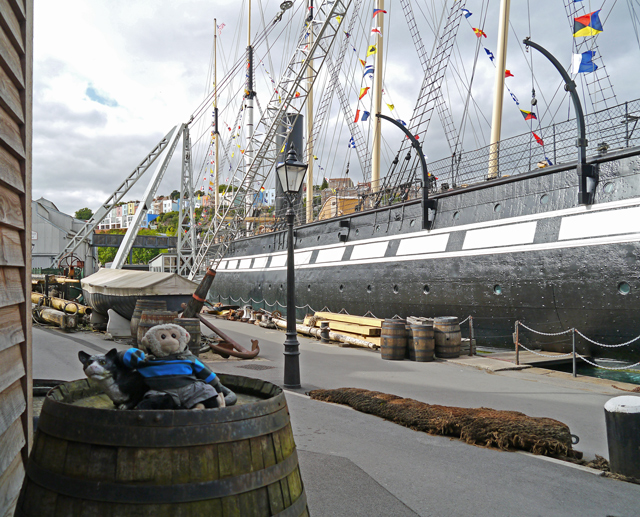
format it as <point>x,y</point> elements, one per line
<point>501,65</point>
<point>377,101</point>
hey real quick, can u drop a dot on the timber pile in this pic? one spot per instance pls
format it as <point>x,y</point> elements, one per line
<point>358,327</point>
<point>477,426</point>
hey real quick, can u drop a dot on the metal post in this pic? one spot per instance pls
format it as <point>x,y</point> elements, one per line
<point>517,343</point>
<point>573,335</point>
<point>291,344</point>
<point>471,338</point>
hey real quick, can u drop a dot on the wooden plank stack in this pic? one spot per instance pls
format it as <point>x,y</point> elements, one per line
<point>361,327</point>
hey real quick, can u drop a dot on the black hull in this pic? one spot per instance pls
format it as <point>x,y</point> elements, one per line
<point>124,305</point>
<point>512,249</point>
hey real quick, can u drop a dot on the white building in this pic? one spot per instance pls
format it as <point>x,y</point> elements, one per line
<point>169,205</point>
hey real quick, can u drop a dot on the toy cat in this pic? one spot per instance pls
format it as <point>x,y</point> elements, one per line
<point>124,387</point>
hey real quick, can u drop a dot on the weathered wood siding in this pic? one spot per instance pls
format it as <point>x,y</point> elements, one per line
<point>16,65</point>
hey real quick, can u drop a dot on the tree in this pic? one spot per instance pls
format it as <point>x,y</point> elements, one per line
<point>175,195</point>
<point>325,184</point>
<point>84,214</point>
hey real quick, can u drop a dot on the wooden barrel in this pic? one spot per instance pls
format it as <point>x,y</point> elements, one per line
<point>150,319</point>
<point>192,326</point>
<point>422,342</point>
<point>446,333</point>
<point>393,345</point>
<point>410,352</point>
<point>142,305</point>
<point>90,460</point>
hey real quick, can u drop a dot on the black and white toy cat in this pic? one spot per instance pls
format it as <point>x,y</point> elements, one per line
<point>123,386</point>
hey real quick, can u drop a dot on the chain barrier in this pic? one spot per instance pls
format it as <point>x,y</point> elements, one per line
<point>627,367</point>
<point>607,346</point>
<point>545,355</point>
<point>544,333</point>
<point>464,320</point>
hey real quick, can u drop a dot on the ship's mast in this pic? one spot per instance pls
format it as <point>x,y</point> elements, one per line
<point>501,65</point>
<point>310,122</point>
<point>249,95</point>
<point>216,133</point>
<point>377,101</point>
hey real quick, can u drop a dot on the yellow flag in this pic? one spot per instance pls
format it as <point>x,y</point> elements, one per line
<point>391,106</point>
<point>338,19</point>
<point>371,50</point>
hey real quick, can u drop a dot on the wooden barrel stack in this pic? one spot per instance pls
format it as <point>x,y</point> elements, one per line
<point>447,337</point>
<point>152,318</point>
<point>239,460</point>
<point>422,342</point>
<point>192,326</point>
<point>393,345</point>
<point>142,305</point>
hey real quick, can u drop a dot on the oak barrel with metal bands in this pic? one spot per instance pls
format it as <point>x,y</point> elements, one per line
<point>446,333</point>
<point>152,318</point>
<point>393,342</point>
<point>192,326</point>
<point>142,305</point>
<point>239,460</point>
<point>422,342</point>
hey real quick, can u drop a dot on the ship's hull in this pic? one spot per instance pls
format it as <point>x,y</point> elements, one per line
<point>512,249</point>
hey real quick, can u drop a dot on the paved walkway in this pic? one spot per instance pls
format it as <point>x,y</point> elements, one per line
<point>355,464</point>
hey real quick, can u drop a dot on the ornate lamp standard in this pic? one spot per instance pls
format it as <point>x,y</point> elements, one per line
<point>291,173</point>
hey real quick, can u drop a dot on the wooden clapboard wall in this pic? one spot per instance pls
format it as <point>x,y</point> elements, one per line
<point>16,65</point>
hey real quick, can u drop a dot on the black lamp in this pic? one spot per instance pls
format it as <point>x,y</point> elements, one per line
<point>291,173</point>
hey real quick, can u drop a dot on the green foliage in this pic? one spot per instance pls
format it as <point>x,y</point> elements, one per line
<point>84,214</point>
<point>140,255</point>
<point>175,195</point>
<point>325,184</point>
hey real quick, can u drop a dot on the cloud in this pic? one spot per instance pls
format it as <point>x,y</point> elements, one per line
<point>100,98</point>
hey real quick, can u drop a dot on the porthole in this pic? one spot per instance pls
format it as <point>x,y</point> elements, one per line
<point>497,289</point>
<point>357,231</point>
<point>544,199</point>
<point>456,215</point>
<point>259,286</point>
<point>425,289</point>
<point>309,287</point>
<point>377,227</point>
<point>396,289</point>
<point>269,287</point>
<point>369,288</point>
<point>281,287</point>
<point>412,222</point>
<point>318,238</point>
<point>608,188</point>
<point>497,208</point>
<point>341,288</point>
<point>624,288</point>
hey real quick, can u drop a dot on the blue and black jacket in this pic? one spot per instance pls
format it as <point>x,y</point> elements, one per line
<point>170,372</point>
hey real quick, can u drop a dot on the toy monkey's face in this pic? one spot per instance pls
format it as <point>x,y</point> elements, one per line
<point>166,340</point>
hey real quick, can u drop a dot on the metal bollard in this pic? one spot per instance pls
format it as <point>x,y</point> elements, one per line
<point>324,332</point>
<point>622,415</point>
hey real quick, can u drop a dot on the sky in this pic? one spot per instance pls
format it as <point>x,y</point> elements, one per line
<point>112,77</point>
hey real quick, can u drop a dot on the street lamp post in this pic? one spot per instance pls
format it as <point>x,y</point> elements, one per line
<point>291,173</point>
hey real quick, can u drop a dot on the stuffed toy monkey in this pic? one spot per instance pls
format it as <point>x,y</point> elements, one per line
<point>176,378</point>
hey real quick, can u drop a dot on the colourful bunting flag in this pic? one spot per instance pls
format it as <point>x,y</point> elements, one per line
<point>297,94</point>
<point>220,27</point>
<point>401,121</point>
<point>507,73</point>
<point>478,32</point>
<point>583,63</point>
<point>352,143</point>
<point>363,62</point>
<point>365,116</point>
<point>357,116</point>
<point>338,19</point>
<point>376,12</point>
<point>376,30</point>
<point>371,50</point>
<point>587,25</point>
<point>466,13</point>
<point>490,54</point>
<point>368,70</point>
<point>528,115</point>
<point>538,139</point>
<point>391,106</point>
<point>363,92</point>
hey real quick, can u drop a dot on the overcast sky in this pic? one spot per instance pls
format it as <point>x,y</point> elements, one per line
<point>111,77</point>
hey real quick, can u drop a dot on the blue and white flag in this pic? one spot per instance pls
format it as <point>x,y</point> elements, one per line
<point>490,54</point>
<point>368,70</point>
<point>352,143</point>
<point>365,116</point>
<point>401,121</point>
<point>583,63</point>
<point>466,13</point>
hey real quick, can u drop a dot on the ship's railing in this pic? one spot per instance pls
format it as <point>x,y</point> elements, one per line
<point>613,128</point>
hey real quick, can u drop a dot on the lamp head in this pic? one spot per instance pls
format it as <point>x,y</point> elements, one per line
<point>291,172</point>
